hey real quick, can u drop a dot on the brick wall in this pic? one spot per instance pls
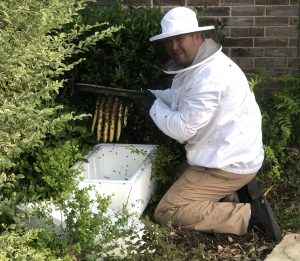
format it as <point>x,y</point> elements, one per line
<point>258,33</point>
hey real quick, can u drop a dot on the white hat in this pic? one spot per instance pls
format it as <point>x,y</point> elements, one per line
<point>179,20</point>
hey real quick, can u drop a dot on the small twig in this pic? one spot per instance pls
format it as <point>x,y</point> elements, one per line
<point>268,190</point>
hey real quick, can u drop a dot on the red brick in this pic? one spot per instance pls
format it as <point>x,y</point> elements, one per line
<point>282,11</point>
<point>270,42</point>
<point>238,42</point>
<point>168,2</point>
<point>281,52</point>
<point>203,2</point>
<point>209,20</point>
<point>237,2</point>
<point>248,11</point>
<point>293,42</point>
<point>293,62</point>
<point>277,31</point>
<point>246,52</point>
<point>247,32</point>
<point>240,21</point>
<point>293,21</point>
<point>272,2</point>
<point>225,50</point>
<point>217,11</point>
<point>270,62</point>
<point>243,62</point>
<point>284,21</point>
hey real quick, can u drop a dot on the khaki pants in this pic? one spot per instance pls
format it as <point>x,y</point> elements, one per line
<point>196,202</point>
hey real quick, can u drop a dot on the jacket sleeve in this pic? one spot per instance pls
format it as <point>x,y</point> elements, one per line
<point>196,108</point>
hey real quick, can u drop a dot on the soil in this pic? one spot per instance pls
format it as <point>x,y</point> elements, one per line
<point>226,247</point>
<point>252,246</point>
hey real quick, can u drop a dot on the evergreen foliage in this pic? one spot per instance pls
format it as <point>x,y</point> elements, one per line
<point>34,55</point>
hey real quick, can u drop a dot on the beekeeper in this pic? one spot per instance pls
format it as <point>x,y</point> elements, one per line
<point>211,110</point>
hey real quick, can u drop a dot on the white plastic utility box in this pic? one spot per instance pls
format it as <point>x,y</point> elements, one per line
<point>122,171</point>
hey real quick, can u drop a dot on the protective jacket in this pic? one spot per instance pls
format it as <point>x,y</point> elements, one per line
<point>211,109</point>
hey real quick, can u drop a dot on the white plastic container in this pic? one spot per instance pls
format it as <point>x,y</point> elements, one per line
<point>122,171</point>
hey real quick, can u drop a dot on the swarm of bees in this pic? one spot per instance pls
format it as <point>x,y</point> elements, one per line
<point>109,118</point>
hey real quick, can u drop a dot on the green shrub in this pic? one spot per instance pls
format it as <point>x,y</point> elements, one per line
<point>34,55</point>
<point>9,198</point>
<point>20,247</point>
<point>124,60</point>
<point>281,127</point>
<point>91,231</point>
<point>39,141</point>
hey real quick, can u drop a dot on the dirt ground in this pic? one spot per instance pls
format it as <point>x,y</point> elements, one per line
<point>252,246</point>
<point>226,247</point>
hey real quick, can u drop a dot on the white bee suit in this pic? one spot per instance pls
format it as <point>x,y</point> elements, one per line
<point>211,109</point>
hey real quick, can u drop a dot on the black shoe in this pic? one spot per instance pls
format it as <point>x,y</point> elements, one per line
<point>262,216</point>
<point>249,192</point>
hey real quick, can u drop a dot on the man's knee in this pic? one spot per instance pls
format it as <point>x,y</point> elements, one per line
<point>165,216</point>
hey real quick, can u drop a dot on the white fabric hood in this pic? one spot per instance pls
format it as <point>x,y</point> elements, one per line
<point>206,51</point>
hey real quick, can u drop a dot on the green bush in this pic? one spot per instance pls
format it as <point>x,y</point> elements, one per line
<point>125,60</point>
<point>91,231</point>
<point>39,140</point>
<point>35,53</point>
<point>281,127</point>
<point>23,247</point>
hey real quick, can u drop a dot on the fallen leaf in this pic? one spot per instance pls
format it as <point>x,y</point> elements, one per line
<point>226,249</point>
<point>237,257</point>
<point>220,248</point>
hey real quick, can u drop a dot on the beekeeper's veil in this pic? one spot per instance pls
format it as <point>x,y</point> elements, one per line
<point>182,20</point>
